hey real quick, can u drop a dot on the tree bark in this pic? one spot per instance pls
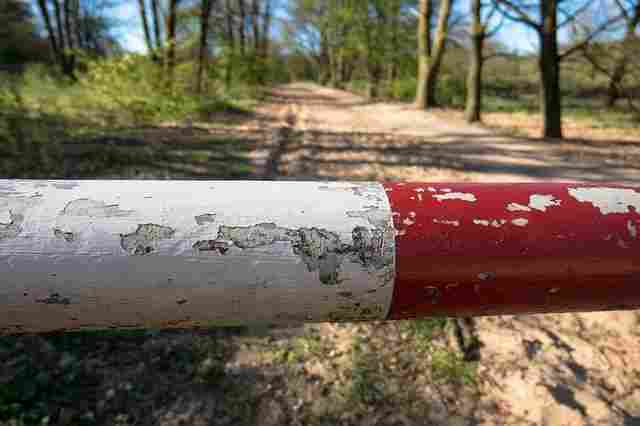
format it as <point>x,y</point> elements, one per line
<point>474,77</point>
<point>157,25</point>
<point>230,44</point>
<point>145,26</point>
<point>424,51</point>
<point>42,6</point>
<point>242,28</point>
<point>171,39</point>
<point>203,54</point>
<point>549,67</point>
<point>255,21</point>
<point>430,58</point>
<point>266,27</point>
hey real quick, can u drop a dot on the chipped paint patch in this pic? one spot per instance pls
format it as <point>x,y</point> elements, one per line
<point>92,208</point>
<point>520,221</point>
<point>145,239</point>
<point>541,202</point>
<point>515,207</point>
<point>464,196</point>
<point>205,219</point>
<point>447,222</point>
<point>64,235</point>
<point>319,249</point>
<point>497,223</point>
<point>65,185</point>
<point>633,230</point>
<point>608,200</point>
<point>482,222</point>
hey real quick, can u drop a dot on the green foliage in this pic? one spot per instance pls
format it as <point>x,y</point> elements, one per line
<point>367,384</point>
<point>450,367</point>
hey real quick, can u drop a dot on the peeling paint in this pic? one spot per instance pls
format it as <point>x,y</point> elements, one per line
<point>408,221</point>
<point>93,208</point>
<point>431,189</point>
<point>633,230</point>
<point>608,200</point>
<point>482,222</point>
<point>205,219</point>
<point>520,221</point>
<point>497,223</point>
<point>319,249</point>
<point>145,239</point>
<point>541,202</point>
<point>515,207</point>
<point>464,196</point>
<point>65,235</point>
<point>447,222</point>
<point>13,228</point>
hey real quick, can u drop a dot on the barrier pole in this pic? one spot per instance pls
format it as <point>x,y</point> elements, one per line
<point>93,254</point>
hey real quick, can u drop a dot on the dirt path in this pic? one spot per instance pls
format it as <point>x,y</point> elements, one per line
<point>570,369</point>
<point>343,136</point>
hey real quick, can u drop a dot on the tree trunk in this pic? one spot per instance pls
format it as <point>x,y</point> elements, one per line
<point>67,23</point>
<point>78,24</point>
<point>241,29</point>
<point>549,67</point>
<point>42,6</point>
<point>393,63</point>
<point>145,27</point>
<point>255,21</point>
<point>424,52</point>
<point>230,44</point>
<point>171,39</point>
<point>474,77</point>
<point>203,54</point>
<point>58,15</point>
<point>266,27</point>
<point>157,25</point>
<point>430,63</point>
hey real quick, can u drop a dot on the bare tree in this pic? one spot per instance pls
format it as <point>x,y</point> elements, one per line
<point>430,57</point>
<point>543,19</point>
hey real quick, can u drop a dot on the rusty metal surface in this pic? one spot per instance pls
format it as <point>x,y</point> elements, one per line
<point>483,249</point>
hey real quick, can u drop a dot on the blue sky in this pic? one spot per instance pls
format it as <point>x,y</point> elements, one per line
<point>130,34</point>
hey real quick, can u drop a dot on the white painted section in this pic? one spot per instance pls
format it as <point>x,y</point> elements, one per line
<point>482,222</point>
<point>97,253</point>
<point>608,200</point>
<point>520,221</point>
<point>464,196</point>
<point>542,202</point>
<point>515,207</point>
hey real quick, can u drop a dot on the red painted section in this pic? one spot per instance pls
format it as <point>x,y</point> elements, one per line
<point>570,257</point>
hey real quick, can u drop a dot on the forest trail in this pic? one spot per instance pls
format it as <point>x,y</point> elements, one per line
<point>561,369</point>
<point>335,134</point>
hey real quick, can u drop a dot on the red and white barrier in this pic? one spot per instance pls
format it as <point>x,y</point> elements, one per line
<point>84,254</point>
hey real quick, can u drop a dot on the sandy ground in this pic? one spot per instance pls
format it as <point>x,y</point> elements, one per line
<point>569,369</point>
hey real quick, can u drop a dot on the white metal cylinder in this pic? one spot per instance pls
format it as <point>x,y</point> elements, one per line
<point>84,254</point>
